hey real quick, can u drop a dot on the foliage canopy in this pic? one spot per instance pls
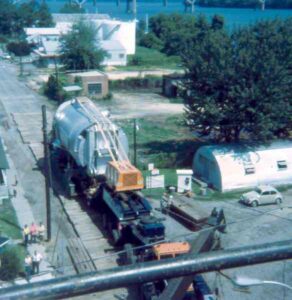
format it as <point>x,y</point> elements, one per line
<point>80,47</point>
<point>239,86</point>
<point>26,14</point>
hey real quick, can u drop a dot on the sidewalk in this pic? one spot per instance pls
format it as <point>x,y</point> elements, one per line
<point>25,217</point>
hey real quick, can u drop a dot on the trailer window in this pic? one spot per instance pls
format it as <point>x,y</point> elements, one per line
<point>249,170</point>
<point>282,165</point>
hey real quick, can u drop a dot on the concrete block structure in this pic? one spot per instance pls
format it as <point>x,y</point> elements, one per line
<point>93,83</point>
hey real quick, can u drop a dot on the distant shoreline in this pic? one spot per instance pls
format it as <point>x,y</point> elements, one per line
<point>243,6</point>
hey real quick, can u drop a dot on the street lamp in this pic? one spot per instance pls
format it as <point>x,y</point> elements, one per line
<point>247,282</point>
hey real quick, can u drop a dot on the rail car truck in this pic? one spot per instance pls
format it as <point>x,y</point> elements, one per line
<point>90,158</point>
<point>197,290</point>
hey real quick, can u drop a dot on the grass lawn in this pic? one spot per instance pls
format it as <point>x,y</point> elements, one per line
<point>10,228</point>
<point>8,222</point>
<point>161,140</point>
<point>149,58</point>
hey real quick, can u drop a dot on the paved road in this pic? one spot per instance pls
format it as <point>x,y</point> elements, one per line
<point>20,109</point>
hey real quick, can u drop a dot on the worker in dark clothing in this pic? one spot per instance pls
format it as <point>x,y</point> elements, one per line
<point>26,233</point>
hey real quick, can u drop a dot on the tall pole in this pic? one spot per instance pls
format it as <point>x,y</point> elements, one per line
<point>134,7</point>
<point>47,171</point>
<point>135,142</point>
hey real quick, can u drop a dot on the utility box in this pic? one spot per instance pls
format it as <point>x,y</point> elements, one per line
<point>184,180</point>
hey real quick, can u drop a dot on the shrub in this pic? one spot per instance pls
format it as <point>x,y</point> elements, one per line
<point>10,265</point>
<point>53,89</point>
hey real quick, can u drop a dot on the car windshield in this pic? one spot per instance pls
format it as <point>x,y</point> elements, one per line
<point>258,190</point>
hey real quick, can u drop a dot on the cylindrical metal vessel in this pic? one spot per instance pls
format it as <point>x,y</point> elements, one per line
<point>81,129</point>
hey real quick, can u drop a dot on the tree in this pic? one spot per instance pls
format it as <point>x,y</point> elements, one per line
<point>238,86</point>
<point>19,49</point>
<point>80,48</point>
<point>44,17</point>
<point>10,23</point>
<point>150,40</point>
<point>53,89</point>
<point>71,8</point>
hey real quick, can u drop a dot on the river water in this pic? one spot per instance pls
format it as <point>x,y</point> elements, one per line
<point>233,17</point>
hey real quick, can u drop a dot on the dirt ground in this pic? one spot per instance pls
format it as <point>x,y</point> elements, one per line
<point>125,105</point>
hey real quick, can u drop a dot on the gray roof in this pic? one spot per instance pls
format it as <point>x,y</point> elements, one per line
<point>3,160</point>
<point>72,88</point>
<point>75,17</point>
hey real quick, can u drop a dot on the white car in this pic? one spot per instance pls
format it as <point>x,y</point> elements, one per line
<point>263,194</point>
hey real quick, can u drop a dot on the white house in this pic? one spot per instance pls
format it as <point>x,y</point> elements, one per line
<point>108,29</point>
<point>116,37</point>
<point>233,167</point>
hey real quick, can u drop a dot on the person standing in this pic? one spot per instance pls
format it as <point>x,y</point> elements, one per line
<point>36,260</point>
<point>41,231</point>
<point>28,267</point>
<point>33,232</point>
<point>26,232</point>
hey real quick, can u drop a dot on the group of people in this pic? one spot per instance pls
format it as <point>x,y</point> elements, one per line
<point>32,264</point>
<point>33,233</point>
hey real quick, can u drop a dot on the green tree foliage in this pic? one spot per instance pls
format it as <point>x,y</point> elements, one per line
<point>10,265</point>
<point>27,14</point>
<point>43,16</point>
<point>150,40</point>
<point>172,33</point>
<point>53,89</point>
<point>9,24</point>
<point>19,49</point>
<point>34,14</point>
<point>239,85</point>
<point>72,8</point>
<point>80,48</point>
<point>246,3</point>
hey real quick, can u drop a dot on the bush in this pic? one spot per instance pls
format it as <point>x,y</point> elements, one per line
<point>148,82</point>
<point>53,89</point>
<point>11,265</point>
<point>136,61</point>
<point>150,40</point>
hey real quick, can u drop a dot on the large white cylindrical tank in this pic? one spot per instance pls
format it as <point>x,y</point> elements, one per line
<point>76,130</point>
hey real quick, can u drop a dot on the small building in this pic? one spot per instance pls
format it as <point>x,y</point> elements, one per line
<point>4,166</point>
<point>94,83</point>
<point>227,168</point>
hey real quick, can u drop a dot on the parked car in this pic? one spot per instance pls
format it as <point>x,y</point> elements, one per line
<point>263,194</point>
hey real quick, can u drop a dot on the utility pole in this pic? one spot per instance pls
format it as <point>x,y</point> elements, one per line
<point>135,142</point>
<point>134,7</point>
<point>47,171</point>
